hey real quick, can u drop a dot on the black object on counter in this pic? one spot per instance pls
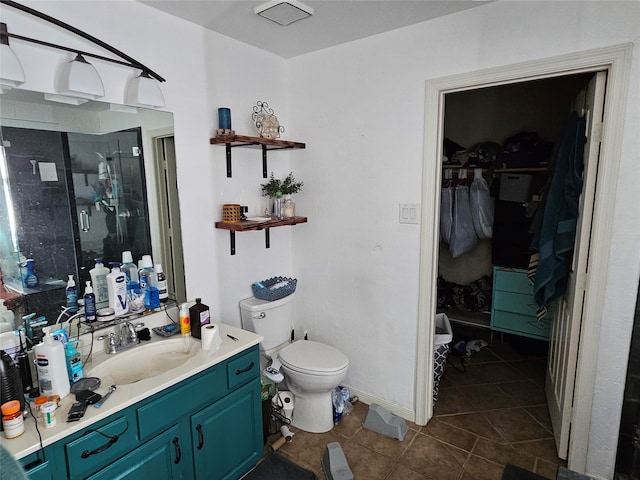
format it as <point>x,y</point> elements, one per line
<point>10,383</point>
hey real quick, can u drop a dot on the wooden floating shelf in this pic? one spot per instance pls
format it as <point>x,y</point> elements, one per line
<point>264,144</point>
<point>249,225</point>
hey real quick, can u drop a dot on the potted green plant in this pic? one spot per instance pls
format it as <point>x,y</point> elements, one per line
<point>288,186</point>
<point>277,189</point>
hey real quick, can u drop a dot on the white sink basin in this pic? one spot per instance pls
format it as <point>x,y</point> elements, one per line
<point>144,361</point>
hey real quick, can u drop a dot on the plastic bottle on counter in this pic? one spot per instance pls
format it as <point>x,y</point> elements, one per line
<point>199,317</point>
<point>131,271</point>
<point>73,361</point>
<point>117,288</point>
<point>185,321</point>
<point>89,303</point>
<point>51,366</point>
<point>12,419</point>
<point>149,283</point>
<point>163,291</point>
<point>72,295</point>
<point>99,281</point>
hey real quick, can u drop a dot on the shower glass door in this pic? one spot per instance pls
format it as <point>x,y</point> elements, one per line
<point>109,197</point>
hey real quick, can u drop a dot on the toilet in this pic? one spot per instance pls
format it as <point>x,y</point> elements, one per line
<point>312,370</point>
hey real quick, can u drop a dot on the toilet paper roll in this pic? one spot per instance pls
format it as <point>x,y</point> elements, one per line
<point>284,400</point>
<point>211,339</point>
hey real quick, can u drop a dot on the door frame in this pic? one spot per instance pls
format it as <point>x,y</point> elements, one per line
<point>616,60</point>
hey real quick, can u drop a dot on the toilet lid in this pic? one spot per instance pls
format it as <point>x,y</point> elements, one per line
<point>305,355</point>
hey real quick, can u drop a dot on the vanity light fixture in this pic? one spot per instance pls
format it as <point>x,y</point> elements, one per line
<point>283,12</point>
<point>78,78</point>
<point>11,71</point>
<point>144,91</point>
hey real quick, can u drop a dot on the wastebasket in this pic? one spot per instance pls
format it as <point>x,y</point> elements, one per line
<point>442,339</point>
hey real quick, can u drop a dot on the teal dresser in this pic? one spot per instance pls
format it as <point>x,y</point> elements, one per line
<point>513,309</point>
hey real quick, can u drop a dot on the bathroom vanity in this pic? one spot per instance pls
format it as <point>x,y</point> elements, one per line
<point>202,419</point>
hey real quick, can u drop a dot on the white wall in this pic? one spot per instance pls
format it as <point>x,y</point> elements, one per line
<point>363,107</point>
<point>360,109</point>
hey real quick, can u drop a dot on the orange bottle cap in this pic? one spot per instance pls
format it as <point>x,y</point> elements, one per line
<point>41,399</point>
<point>10,407</point>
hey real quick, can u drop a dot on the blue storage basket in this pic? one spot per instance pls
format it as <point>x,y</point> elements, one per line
<point>263,290</point>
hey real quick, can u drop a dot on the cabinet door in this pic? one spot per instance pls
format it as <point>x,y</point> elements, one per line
<point>162,458</point>
<point>227,435</point>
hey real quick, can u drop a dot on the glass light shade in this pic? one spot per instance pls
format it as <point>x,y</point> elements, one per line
<point>11,72</point>
<point>144,91</point>
<point>78,78</point>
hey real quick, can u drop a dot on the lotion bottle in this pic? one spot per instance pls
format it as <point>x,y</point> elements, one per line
<point>51,366</point>
<point>89,303</point>
<point>99,281</point>
<point>117,288</point>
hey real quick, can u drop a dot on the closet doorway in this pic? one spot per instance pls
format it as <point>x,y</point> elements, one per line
<point>609,62</point>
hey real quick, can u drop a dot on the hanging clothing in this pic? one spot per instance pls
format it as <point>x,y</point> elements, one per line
<point>555,238</point>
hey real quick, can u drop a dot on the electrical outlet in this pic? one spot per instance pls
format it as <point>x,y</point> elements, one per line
<point>409,213</point>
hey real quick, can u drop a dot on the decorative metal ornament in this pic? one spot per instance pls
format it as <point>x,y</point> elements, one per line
<point>266,122</point>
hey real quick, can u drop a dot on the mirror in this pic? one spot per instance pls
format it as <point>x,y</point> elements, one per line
<point>80,182</point>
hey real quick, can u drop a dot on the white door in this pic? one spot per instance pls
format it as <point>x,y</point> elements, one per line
<point>565,331</point>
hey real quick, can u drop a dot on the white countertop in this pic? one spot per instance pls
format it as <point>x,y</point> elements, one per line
<point>126,395</point>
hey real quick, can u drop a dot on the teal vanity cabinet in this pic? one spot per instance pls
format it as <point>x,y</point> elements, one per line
<point>207,426</point>
<point>37,468</point>
<point>226,437</point>
<point>513,309</point>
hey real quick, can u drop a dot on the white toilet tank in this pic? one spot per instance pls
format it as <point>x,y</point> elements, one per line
<point>273,320</point>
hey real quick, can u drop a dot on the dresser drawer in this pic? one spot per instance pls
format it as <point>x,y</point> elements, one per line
<point>243,369</point>
<point>100,446</point>
<point>514,302</point>
<point>158,414</point>
<point>526,325</point>
<point>511,280</point>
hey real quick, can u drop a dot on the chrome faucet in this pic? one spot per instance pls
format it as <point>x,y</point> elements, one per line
<point>128,334</point>
<point>117,343</point>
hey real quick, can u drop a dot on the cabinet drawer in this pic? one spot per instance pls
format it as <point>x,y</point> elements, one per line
<point>93,451</point>
<point>243,369</point>
<point>509,280</point>
<point>526,325</point>
<point>165,410</point>
<point>514,302</point>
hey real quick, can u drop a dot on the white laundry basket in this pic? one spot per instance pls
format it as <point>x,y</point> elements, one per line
<point>442,339</point>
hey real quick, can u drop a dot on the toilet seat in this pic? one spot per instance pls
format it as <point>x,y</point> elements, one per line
<point>313,358</point>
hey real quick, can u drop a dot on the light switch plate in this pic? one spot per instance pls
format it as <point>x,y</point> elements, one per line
<point>410,213</point>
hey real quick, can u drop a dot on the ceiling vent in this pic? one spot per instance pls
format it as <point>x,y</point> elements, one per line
<point>283,12</point>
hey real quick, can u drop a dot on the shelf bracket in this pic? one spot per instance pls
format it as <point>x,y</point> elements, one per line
<point>264,162</point>
<point>267,241</point>
<point>232,241</point>
<point>228,161</point>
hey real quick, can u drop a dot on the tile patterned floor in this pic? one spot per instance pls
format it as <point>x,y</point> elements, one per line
<point>493,414</point>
